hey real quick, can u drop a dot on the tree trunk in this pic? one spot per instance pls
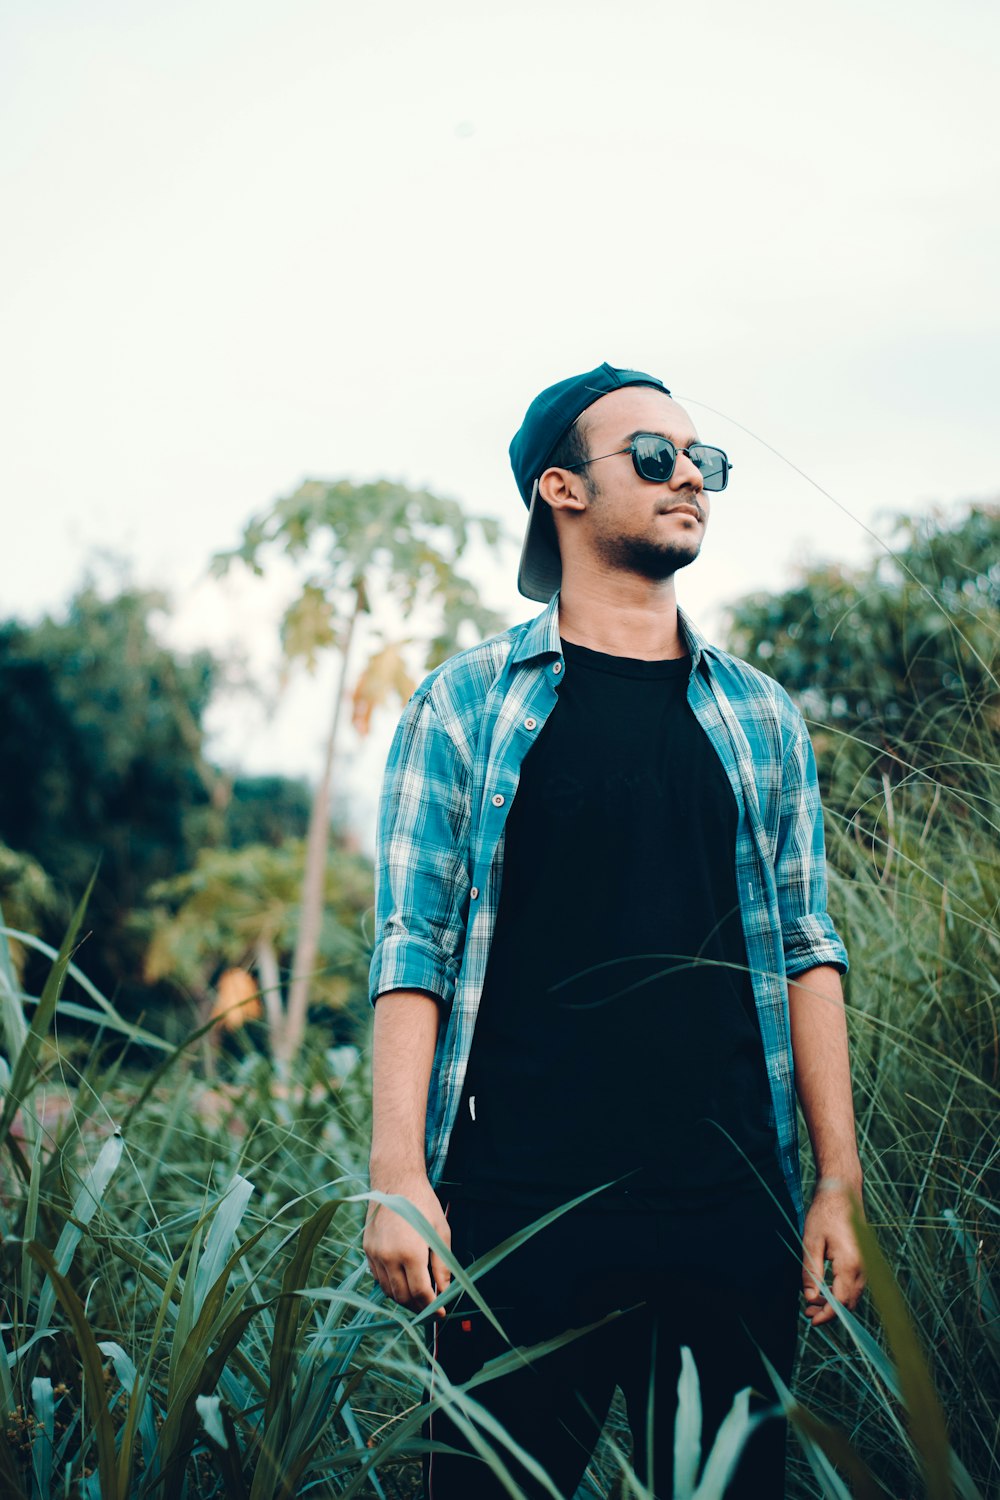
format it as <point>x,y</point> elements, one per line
<point>269,981</point>
<point>310,921</point>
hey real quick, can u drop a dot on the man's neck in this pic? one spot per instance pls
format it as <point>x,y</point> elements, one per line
<point>633,617</point>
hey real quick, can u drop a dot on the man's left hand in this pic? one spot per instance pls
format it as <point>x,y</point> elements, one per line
<point>829,1236</point>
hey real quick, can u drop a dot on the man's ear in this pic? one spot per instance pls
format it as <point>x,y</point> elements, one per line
<point>561,489</point>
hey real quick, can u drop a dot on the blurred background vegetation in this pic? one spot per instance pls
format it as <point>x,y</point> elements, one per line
<point>215,1023</point>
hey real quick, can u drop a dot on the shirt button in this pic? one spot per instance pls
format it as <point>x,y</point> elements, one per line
<point>498,800</point>
<point>557,667</point>
<point>474,893</point>
<point>530,723</point>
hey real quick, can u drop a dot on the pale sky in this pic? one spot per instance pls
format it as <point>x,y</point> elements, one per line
<point>247,243</point>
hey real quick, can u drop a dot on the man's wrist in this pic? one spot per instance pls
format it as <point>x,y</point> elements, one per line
<point>389,1174</point>
<point>840,1177</point>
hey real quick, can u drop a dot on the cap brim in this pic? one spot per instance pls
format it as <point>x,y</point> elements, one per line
<point>539,573</point>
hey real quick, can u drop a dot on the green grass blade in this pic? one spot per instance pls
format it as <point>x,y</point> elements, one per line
<point>30,1227</point>
<point>128,1378</point>
<point>185,1315</point>
<point>288,1311</point>
<point>93,1370</point>
<point>733,1432</point>
<point>825,1447</point>
<point>225,1222</point>
<point>7,1361</point>
<point>979,1278</point>
<point>88,1199</point>
<point>140,1392</point>
<point>926,1419</point>
<point>44,1406</point>
<point>228,1457</point>
<point>687,1428</point>
<point>179,1430</point>
<point>101,1021</point>
<point>109,1017</point>
<point>216,1313</point>
<point>13,1027</point>
<point>24,1068</point>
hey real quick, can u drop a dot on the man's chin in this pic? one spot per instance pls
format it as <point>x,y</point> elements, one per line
<point>653,563</point>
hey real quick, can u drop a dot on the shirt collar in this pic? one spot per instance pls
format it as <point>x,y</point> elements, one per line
<point>542,635</point>
<point>541,638</point>
<point>696,643</point>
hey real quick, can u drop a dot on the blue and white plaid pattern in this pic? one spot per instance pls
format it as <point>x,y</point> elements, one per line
<point>450,780</point>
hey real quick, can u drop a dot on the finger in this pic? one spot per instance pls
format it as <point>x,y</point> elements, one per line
<point>441,1277</point>
<point>440,1272</point>
<point>397,1285</point>
<point>813,1266</point>
<point>848,1283</point>
<point>821,1313</point>
<point>420,1292</point>
<point>381,1275</point>
<point>392,1279</point>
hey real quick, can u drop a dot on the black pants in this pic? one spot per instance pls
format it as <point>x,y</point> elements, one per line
<point>722,1303</point>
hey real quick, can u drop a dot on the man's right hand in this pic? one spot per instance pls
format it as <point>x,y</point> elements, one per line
<point>399,1258</point>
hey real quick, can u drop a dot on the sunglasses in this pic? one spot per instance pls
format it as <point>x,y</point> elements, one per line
<point>654,457</point>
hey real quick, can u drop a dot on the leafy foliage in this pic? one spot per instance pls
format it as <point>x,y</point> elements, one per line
<point>101,758</point>
<point>232,902</point>
<point>103,764</point>
<point>889,660</point>
<point>369,547</point>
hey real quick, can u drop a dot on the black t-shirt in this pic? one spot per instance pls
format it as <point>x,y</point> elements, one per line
<point>617,1039</point>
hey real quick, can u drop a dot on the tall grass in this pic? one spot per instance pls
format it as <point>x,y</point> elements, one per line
<point>185,1307</point>
<point>916,892</point>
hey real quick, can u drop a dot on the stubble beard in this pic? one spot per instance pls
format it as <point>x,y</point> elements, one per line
<point>644,558</point>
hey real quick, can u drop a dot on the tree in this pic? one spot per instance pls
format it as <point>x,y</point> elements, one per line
<point>885,660</point>
<point>103,762</point>
<point>370,556</point>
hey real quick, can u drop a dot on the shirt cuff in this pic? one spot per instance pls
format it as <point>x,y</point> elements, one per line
<point>810,941</point>
<point>408,963</point>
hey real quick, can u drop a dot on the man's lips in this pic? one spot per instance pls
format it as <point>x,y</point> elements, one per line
<point>685,510</point>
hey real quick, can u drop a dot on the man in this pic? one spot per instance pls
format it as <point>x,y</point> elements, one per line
<point>603,967</point>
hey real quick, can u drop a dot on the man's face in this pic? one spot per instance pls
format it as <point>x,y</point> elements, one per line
<point>633,524</point>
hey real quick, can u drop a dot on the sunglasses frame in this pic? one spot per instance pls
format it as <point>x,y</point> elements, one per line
<point>659,438</point>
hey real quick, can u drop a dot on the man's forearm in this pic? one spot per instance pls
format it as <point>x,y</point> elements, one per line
<point>404,1038</point>
<point>399,1256</point>
<point>822,1073</point>
<point>823,1080</point>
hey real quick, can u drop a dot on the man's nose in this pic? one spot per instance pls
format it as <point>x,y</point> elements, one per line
<point>686,475</point>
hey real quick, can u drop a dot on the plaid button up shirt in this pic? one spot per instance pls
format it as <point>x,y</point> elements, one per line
<point>451,778</point>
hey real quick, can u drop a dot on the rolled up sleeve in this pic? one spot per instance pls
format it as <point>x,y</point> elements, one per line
<point>808,935</point>
<point>421,879</point>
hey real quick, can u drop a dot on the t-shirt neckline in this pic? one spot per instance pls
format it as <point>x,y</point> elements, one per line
<point>625,666</point>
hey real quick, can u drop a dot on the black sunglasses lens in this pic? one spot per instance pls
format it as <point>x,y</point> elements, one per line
<point>654,458</point>
<point>712,464</point>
